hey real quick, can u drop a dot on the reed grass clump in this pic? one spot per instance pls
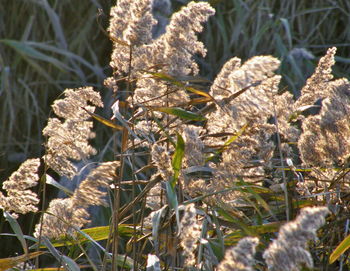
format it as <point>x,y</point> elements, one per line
<point>190,178</point>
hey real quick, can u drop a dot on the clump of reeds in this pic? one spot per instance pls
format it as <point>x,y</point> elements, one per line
<point>216,161</point>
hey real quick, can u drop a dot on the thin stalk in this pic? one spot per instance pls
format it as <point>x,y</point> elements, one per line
<point>285,188</point>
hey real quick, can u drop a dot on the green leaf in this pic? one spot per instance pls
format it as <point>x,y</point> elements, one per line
<point>17,230</point>
<point>237,221</point>
<point>177,158</point>
<point>156,219</point>
<point>67,262</point>
<point>172,198</point>
<point>238,134</point>
<point>340,250</point>
<point>258,198</point>
<point>53,182</point>
<point>179,112</point>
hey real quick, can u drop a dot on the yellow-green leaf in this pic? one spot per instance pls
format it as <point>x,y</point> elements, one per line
<point>177,158</point>
<point>104,121</point>
<point>96,233</point>
<point>7,263</point>
<point>174,81</point>
<point>340,249</point>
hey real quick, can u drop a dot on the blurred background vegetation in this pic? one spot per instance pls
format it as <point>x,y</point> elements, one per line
<point>49,45</point>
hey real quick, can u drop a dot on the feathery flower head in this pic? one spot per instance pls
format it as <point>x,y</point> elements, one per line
<point>190,234</point>
<point>194,147</point>
<point>63,216</point>
<point>325,139</point>
<point>171,53</point>
<point>180,41</point>
<point>288,251</point>
<point>19,198</point>
<point>234,76</point>
<point>240,257</point>
<point>315,87</point>
<point>68,139</point>
<point>162,159</point>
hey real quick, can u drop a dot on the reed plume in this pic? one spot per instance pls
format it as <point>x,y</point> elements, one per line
<point>68,139</point>
<point>190,234</point>
<point>240,257</point>
<point>289,251</point>
<point>325,138</point>
<point>19,198</point>
<point>64,216</point>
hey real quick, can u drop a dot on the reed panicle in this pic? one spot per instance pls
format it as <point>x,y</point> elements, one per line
<point>288,252</point>
<point>68,139</point>
<point>316,85</point>
<point>240,257</point>
<point>190,234</point>
<point>64,216</point>
<point>19,198</point>
<point>325,138</point>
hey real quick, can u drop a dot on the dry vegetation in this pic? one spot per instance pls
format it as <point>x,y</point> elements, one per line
<point>233,173</point>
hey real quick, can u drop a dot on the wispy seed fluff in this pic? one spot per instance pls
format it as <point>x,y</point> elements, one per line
<point>240,257</point>
<point>63,216</point>
<point>174,49</point>
<point>172,53</point>
<point>68,139</point>
<point>162,160</point>
<point>131,33</point>
<point>190,234</point>
<point>315,87</point>
<point>194,151</point>
<point>234,76</point>
<point>288,252</point>
<point>325,141</point>
<point>255,104</point>
<point>20,199</point>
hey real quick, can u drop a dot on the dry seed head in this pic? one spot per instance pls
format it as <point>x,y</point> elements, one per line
<point>315,87</point>
<point>325,138</point>
<point>240,257</point>
<point>253,107</point>
<point>194,155</point>
<point>180,40</point>
<point>152,92</point>
<point>156,197</point>
<point>288,252</point>
<point>19,198</point>
<point>64,215</point>
<point>190,234</point>
<point>233,77</point>
<point>68,139</point>
<point>162,159</point>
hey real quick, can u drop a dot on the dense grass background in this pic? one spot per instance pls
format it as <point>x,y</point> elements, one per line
<point>47,46</point>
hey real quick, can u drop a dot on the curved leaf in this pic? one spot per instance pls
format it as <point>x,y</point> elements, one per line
<point>8,263</point>
<point>179,112</point>
<point>340,249</point>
